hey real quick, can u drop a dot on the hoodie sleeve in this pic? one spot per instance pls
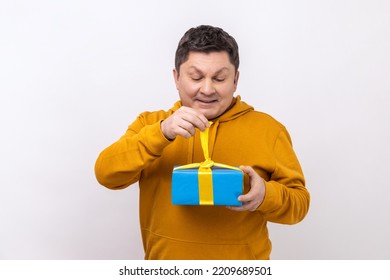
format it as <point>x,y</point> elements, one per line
<point>286,200</point>
<point>121,164</point>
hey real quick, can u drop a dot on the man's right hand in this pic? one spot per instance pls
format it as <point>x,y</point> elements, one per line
<point>183,123</point>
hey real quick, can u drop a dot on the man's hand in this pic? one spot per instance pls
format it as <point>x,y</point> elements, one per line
<point>183,123</point>
<point>252,199</point>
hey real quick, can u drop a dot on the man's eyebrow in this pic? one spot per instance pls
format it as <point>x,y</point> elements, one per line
<point>201,72</point>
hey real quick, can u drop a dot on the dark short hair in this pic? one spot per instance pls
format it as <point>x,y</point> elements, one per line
<point>206,38</point>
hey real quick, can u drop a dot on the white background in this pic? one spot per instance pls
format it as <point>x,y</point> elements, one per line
<point>74,74</point>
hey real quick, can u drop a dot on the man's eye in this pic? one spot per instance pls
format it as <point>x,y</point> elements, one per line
<point>219,79</point>
<point>196,78</point>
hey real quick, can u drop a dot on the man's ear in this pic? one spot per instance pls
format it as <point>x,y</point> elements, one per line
<point>236,77</point>
<point>176,78</point>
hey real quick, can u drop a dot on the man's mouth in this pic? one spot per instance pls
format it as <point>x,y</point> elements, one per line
<point>206,101</point>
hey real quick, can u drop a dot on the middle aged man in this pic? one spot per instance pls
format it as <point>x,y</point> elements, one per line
<point>206,76</point>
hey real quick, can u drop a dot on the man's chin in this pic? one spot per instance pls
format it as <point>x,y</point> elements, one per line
<point>209,114</point>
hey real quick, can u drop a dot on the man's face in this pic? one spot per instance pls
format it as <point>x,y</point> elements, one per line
<point>207,82</point>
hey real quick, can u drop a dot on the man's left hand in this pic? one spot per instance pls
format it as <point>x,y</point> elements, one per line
<point>252,199</point>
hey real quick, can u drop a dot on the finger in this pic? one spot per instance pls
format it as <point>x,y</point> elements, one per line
<point>248,170</point>
<point>246,204</point>
<point>245,198</point>
<point>236,208</point>
<point>245,207</point>
<point>249,202</point>
<point>196,118</point>
<point>252,193</point>
<point>186,126</point>
<point>254,178</point>
<point>179,131</point>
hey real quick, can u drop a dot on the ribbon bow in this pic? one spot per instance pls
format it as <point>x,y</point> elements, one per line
<point>205,179</point>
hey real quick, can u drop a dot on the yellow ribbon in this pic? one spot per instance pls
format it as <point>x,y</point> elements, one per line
<point>205,179</point>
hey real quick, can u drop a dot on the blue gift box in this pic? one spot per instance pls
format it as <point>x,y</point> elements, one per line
<point>226,186</point>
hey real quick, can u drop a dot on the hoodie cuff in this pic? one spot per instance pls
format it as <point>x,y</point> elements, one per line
<point>270,201</point>
<point>154,139</point>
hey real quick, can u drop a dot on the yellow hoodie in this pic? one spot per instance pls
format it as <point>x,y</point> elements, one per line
<point>241,136</point>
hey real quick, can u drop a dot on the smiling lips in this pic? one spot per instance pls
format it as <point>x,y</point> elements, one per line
<point>206,101</point>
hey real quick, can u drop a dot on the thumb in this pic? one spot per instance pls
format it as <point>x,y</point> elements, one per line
<point>249,171</point>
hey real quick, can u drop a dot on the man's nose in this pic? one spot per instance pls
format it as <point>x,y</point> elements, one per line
<point>207,87</point>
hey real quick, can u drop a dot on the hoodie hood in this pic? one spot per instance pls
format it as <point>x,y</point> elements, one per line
<point>237,109</point>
